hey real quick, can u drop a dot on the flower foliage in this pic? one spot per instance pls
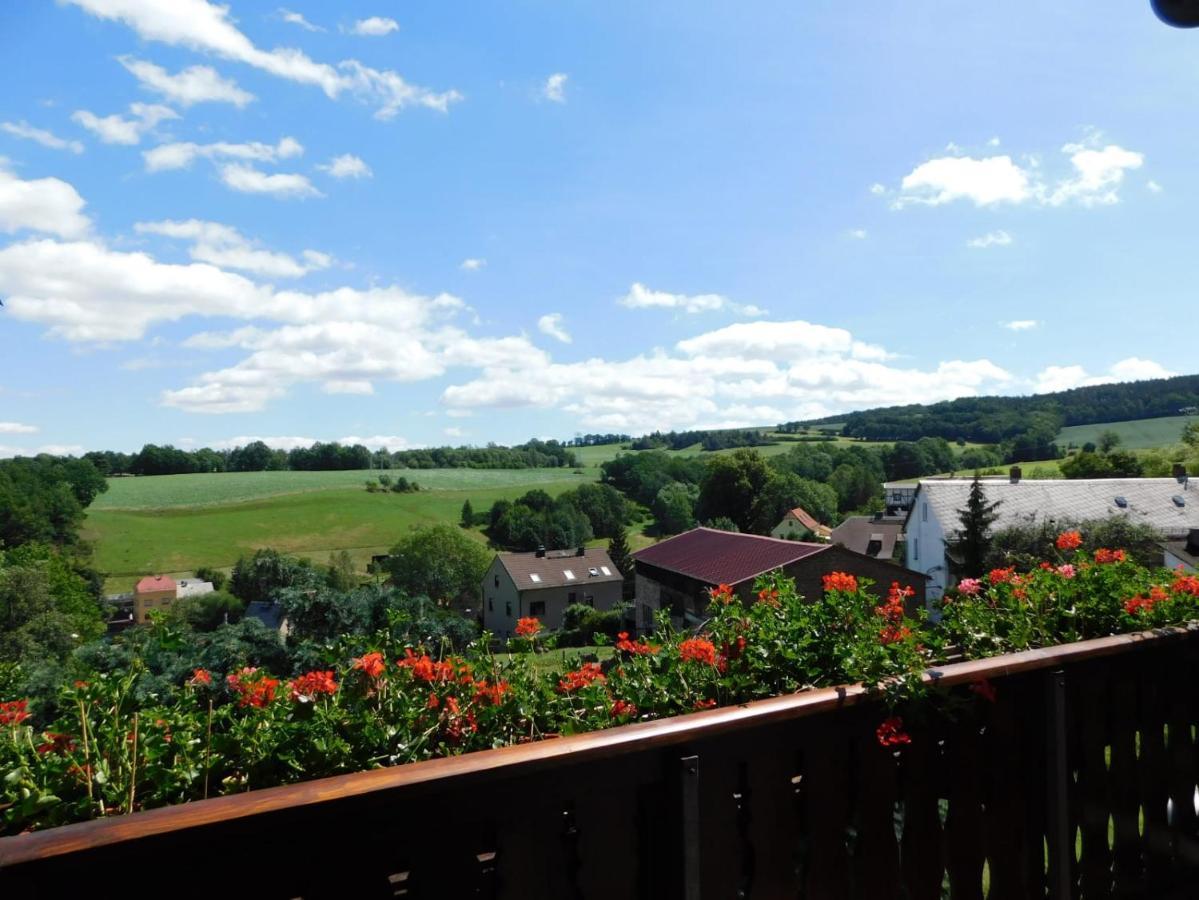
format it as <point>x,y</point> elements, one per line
<point>113,748</point>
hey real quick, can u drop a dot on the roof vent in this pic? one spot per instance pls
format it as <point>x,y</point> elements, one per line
<point>1179,500</point>
<point>541,551</point>
<point>1015,475</point>
<point>1180,473</point>
<point>593,572</point>
<point>582,551</point>
<point>1122,502</point>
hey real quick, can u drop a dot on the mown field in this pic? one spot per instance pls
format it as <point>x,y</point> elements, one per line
<point>1139,434</point>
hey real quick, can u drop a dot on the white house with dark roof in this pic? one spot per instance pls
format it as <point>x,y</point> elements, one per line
<point>543,583</point>
<point>1170,505</point>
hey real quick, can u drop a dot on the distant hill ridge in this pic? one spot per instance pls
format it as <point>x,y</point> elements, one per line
<point>990,420</point>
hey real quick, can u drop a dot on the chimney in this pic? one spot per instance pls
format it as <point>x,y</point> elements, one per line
<point>1015,474</point>
<point>541,551</point>
<point>1193,541</point>
<point>581,551</point>
<point>1180,473</point>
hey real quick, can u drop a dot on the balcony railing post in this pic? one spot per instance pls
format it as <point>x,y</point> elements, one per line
<point>689,784</point>
<point>1057,775</point>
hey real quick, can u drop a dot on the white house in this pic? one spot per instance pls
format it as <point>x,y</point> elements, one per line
<point>544,583</point>
<point>1170,505</point>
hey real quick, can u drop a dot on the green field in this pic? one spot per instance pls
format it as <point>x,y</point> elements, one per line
<point>1139,434</point>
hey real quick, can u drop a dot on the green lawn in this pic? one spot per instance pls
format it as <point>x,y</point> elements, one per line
<point>314,523</point>
<point>1139,434</point>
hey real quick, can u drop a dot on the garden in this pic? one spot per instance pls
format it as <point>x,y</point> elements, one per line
<point>105,746</point>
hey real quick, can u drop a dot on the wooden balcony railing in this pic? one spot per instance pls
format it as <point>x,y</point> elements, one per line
<point>1079,781</point>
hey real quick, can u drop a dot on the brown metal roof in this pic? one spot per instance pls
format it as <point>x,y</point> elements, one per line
<point>857,533</point>
<point>551,569</point>
<point>724,557</point>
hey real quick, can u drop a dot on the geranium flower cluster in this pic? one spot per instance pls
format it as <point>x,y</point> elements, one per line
<point>529,626</point>
<point>312,684</point>
<point>252,688</point>
<point>892,613</point>
<point>840,581</point>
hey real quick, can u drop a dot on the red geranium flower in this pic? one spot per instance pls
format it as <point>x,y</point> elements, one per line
<point>768,596</point>
<point>14,712</point>
<point>840,581</point>
<point>1186,584</point>
<point>700,650</point>
<point>1103,556</point>
<point>56,742</point>
<point>312,684</point>
<point>622,708</point>
<point>252,689</point>
<point>200,677</point>
<point>528,627</point>
<point>637,648</point>
<point>722,593</point>
<point>891,734</point>
<point>704,704</point>
<point>492,694</point>
<point>425,668</point>
<point>370,663</point>
<point>586,675</point>
<point>1001,576</point>
<point>1069,540</point>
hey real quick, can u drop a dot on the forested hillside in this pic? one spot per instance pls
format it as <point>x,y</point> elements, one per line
<point>991,420</point>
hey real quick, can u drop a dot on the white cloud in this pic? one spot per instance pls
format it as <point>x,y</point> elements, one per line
<point>17,428</point>
<point>360,387</point>
<point>858,234</point>
<point>347,166</point>
<point>248,180</point>
<point>180,155</point>
<point>1021,324</point>
<point>277,442</point>
<point>641,297</point>
<point>472,265</point>
<point>48,205</point>
<point>116,129</point>
<point>998,238</point>
<point>1061,378</point>
<point>1153,186</point>
<point>195,84</point>
<point>554,88</point>
<point>295,18</point>
<point>1096,175</point>
<point>375,26</point>
<point>7,451</point>
<point>453,432</point>
<point>226,247</point>
<point>27,132</point>
<point>378,442</point>
<point>551,324</point>
<point>877,189</point>
<point>206,27</point>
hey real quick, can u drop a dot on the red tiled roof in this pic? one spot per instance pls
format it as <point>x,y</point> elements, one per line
<point>155,583</point>
<point>806,519</point>
<point>724,557</point>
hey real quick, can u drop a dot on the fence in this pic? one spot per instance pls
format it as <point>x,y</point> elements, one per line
<point>1078,781</point>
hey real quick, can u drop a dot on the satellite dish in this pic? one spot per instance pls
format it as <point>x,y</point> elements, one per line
<point>1178,13</point>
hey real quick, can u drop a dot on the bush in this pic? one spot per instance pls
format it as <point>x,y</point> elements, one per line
<point>216,576</point>
<point>581,623</point>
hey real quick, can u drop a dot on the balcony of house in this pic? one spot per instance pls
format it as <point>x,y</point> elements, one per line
<point>1078,780</point>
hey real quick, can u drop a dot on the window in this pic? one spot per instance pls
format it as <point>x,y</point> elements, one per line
<point>916,548</point>
<point>537,608</point>
<point>924,512</point>
<point>593,572</point>
<point>570,576</point>
<point>605,570</point>
<point>497,580</point>
<point>508,610</point>
<point>490,605</point>
<point>535,578</point>
<point>571,597</point>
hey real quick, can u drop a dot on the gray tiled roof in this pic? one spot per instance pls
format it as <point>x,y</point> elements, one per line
<point>551,569</point>
<point>858,532</point>
<point>1150,501</point>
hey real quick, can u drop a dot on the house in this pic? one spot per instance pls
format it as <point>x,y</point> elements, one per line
<point>153,592</point>
<point>797,524</point>
<point>1170,505</point>
<point>875,536</point>
<point>898,496</point>
<point>677,573</point>
<point>1183,553</point>
<point>270,614</point>
<point>543,583</point>
<point>159,592</point>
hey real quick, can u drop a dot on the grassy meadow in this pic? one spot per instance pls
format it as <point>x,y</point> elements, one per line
<point>1139,434</point>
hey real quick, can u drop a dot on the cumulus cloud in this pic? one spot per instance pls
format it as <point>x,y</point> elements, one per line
<point>641,297</point>
<point>998,238</point>
<point>554,88</point>
<point>295,18</point>
<point>858,234</point>
<point>195,84</point>
<point>1153,186</point>
<point>7,451</point>
<point>17,428</point>
<point>117,129</point>
<point>1096,173</point>
<point>224,246</point>
<point>375,26</point>
<point>48,205</point>
<point>248,180</point>
<point>1021,324</point>
<point>1061,378</point>
<point>208,28</point>
<point>27,132</point>
<point>551,324</point>
<point>182,154</point>
<point>472,264</point>
<point>347,166</point>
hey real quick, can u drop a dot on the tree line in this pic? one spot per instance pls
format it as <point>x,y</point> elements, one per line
<point>708,440</point>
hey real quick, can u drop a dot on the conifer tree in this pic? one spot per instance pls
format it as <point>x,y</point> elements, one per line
<point>468,514</point>
<point>974,539</point>
<point>621,556</point>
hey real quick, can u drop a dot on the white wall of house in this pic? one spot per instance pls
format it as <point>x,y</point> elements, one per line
<point>791,529</point>
<point>503,604</point>
<point>924,549</point>
<point>500,600</point>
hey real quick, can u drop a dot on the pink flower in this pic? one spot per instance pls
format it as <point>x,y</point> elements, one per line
<point>1066,571</point>
<point>970,586</point>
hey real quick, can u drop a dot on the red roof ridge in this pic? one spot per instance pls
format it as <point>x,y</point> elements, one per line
<point>747,534</point>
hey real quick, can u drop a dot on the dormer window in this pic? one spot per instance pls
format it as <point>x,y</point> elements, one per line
<point>593,572</point>
<point>535,578</point>
<point>570,576</point>
<point>605,570</point>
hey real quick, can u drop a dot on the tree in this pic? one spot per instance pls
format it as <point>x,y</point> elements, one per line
<point>468,514</point>
<point>341,575</point>
<point>216,576</point>
<point>439,562</point>
<point>674,507</point>
<point>722,523</point>
<point>731,486</point>
<point>207,612</point>
<point>974,538</point>
<point>267,571</point>
<point>1108,441</point>
<point>47,608</point>
<point>906,460</point>
<point>606,509</point>
<point>785,492</point>
<point>622,558</point>
<point>1190,434</point>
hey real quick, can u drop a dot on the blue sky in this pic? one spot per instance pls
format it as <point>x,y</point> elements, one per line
<point>456,223</point>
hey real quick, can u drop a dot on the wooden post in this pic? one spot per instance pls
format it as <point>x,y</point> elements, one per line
<point>1057,777</point>
<point>689,784</point>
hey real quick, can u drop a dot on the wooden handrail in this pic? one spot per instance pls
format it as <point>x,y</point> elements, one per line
<point>543,755</point>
